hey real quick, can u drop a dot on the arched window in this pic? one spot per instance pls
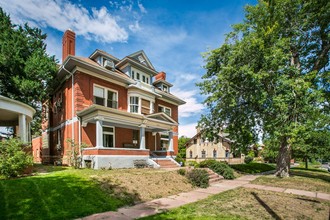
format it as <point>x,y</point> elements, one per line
<point>190,153</point>
<point>203,154</point>
<point>214,153</point>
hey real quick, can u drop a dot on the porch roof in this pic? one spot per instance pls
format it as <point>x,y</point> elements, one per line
<point>154,122</point>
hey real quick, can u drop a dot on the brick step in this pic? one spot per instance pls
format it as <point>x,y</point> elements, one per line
<point>213,177</point>
<point>166,163</point>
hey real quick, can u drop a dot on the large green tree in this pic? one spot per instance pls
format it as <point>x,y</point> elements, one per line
<point>26,71</point>
<point>271,75</point>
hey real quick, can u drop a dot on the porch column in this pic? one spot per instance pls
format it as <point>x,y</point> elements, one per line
<point>142,137</point>
<point>170,140</point>
<point>99,133</point>
<point>22,128</point>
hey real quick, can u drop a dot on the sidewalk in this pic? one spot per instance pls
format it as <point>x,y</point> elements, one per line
<point>159,205</point>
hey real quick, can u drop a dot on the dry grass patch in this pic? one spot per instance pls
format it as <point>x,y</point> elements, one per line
<point>143,184</point>
<point>251,204</point>
<point>300,179</point>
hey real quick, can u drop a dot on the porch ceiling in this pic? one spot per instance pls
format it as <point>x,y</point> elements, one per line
<point>125,119</point>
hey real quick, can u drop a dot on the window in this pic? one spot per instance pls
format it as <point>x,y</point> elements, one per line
<point>133,75</point>
<point>164,142</point>
<point>134,104</point>
<point>165,88</point>
<point>164,109</point>
<point>138,76</point>
<point>145,108</point>
<point>108,136</point>
<point>214,153</point>
<point>143,78</point>
<point>112,99</point>
<point>98,95</point>
<point>190,154</point>
<point>147,79</point>
<point>105,97</point>
<point>135,137</point>
<point>58,145</point>
<point>203,154</point>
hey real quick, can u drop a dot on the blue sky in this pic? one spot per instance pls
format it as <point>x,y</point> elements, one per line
<point>173,34</point>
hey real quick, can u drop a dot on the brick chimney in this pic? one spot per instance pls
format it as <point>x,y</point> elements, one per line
<point>161,76</point>
<point>68,44</point>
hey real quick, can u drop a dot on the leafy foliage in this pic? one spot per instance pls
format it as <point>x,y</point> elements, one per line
<point>26,71</point>
<point>14,158</point>
<point>219,168</point>
<point>182,172</point>
<point>198,177</point>
<point>271,75</point>
<point>182,148</point>
<point>248,159</point>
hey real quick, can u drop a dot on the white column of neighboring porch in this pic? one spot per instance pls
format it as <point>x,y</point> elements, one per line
<point>170,140</point>
<point>99,133</point>
<point>142,137</point>
<point>22,127</point>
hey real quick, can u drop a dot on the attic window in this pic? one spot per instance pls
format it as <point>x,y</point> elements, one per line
<point>141,59</point>
<point>165,88</point>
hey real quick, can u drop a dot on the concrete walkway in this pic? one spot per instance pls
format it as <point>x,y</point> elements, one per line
<point>163,204</point>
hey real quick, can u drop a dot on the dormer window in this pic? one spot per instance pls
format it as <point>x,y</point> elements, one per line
<point>165,88</point>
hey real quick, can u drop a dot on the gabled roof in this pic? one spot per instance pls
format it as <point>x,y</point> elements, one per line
<point>98,52</point>
<point>161,116</point>
<point>162,81</point>
<point>222,136</point>
<point>141,53</point>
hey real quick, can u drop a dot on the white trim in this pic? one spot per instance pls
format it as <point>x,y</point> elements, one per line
<point>105,91</point>
<point>163,106</point>
<point>107,132</point>
<point>65,123</point>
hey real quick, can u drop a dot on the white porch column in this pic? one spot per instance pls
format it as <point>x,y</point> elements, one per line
<point>22,127</point>
<point>170,140</point>
<point>99,133</point>
<point>142,137</point>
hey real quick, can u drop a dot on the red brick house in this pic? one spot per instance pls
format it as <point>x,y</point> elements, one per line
<point>122,109</point>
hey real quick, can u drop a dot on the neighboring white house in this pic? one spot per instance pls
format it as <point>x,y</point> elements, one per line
<point>17,115</point>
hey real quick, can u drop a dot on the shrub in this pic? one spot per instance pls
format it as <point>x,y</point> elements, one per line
<point>253,167</point>
<point>14,158</point>
<point>248,159</point>
<point>218,167</point>
<point>193,164</point>
<point>180,160</point>
<point>198,177</point>
<point>182,172</point>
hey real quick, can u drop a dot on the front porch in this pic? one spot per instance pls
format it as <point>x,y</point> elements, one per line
<point>122,137</point>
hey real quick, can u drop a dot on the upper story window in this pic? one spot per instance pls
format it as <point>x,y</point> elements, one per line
<point>105,97</point>
<point>203,153</point>
<point>134,104</point>
<point>135,74</point>
<point>165,88</point>
<point>214,153</point>
<point>165,109</point>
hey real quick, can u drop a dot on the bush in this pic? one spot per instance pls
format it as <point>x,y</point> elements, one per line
<point>180,160</point>
<point>182,172</point>
<point>218,167</point>
<point>198,177</point>
<point>14,158</point>
<point>253,167</point>
<point>248,159</point>
<point>193,164</point>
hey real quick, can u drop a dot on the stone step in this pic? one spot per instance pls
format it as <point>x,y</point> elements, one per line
<point>166,163</point>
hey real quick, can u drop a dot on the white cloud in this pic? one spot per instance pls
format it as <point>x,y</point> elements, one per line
<point>192,107</point>
<point>188,130</point>
<point>134,27</point>
<point>97,24</point>
<point>142,8</point>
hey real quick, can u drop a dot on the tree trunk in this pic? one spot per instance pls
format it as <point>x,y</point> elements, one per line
<point>306,162</point>
<point>283,159</point>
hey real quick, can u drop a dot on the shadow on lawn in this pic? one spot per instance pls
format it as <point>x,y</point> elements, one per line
<point>58,197</point>
<point>311,174</point>
<point>268,209</point>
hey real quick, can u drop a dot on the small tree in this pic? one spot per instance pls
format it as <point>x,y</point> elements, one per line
<point>14,157</point>
<point>75,153</point>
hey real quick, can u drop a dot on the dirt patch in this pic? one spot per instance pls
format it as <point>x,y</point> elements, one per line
<point>143,184</point>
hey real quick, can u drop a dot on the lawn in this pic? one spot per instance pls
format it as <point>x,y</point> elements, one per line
<point>58,193</point>
<point>310,180</point>
<point>252,167</point>
<point>244,203</point>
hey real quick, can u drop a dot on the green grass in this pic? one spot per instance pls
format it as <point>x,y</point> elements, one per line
<point>65,194</point>
<point>310,180</point>
<point>244,203</point>
<point>253,167</point>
